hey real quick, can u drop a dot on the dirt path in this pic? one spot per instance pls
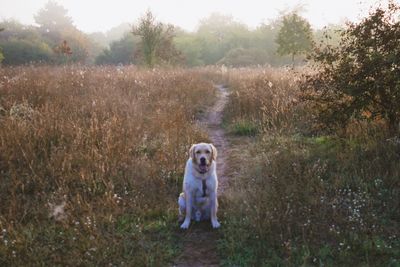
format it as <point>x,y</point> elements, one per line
<point>200,241</point>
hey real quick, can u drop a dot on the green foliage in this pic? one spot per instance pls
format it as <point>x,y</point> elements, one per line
<point>263,39</point>
<point>23,44</point>
<point>244,128</point>
<point>219,39</point>
<point>295,36</point>
<point>190,47</point>
<point>360,79</point>
<point>120,52</point>
<point>156,41</point>
<point>25,51</point>
<point>219,34</point>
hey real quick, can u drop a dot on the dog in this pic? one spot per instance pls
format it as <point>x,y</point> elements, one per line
<point>199,198</point>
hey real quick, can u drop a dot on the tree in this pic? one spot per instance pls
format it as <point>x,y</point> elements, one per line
<point>360,79</point>
<point>120,52</point>
<point>190,47</point>
<point>23,44</point>
<point>56,26</point>
<point>295,36</point>
<point>218,34</point>
<point>22,51</point>
<point>240,57</point>
<point>53,17</point>
<point>156,41</point>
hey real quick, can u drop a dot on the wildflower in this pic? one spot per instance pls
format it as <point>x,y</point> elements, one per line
<point>57,211</point>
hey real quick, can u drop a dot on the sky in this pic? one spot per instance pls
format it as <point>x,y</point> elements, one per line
<point>101,15</point>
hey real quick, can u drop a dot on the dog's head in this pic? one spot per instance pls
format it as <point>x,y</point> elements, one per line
<point>203,155</point>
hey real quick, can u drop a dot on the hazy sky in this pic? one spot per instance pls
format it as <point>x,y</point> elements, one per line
<point>101,15</point>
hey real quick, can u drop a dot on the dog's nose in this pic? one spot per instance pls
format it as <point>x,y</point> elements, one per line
<point>203,160</point>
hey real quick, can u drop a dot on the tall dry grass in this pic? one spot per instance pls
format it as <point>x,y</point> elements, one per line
<point>266,99</point>
<point>91,159</point>
<point>299,196</point>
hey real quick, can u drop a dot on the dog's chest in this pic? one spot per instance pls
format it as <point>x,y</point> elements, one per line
<point>201,188</point>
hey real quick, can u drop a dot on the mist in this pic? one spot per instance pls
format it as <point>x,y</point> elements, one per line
<point>94,16</point>
<point>206,33</point>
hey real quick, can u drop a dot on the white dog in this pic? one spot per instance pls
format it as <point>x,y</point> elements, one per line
<point>199,198</point>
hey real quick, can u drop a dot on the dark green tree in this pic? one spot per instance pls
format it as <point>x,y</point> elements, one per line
<point>295,36</point>
<point>360,79</point>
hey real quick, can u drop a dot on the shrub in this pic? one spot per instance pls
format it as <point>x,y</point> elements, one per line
<point>120,52</point>
<point>19,51</point>
<point>360,79</point>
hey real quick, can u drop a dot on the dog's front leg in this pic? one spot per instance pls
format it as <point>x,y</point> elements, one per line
<point>214,209</point>
<point>188,215</point>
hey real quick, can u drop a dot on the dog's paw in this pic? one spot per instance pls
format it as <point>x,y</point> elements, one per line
<point>185,225</point>
<point>215,224</point>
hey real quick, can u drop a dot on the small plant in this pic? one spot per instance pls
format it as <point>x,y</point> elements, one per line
<point>244,128</point>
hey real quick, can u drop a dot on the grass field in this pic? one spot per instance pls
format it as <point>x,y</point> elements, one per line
<point>92,158</point>
<point>91,162</point>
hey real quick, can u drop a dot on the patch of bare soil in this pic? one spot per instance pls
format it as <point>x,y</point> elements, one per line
<point>200,240</point>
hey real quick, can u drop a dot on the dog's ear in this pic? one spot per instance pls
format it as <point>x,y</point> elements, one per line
<point>214,152</point>
<point>192,151</point>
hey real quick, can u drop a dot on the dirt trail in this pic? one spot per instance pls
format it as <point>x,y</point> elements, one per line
<point>200,240</point>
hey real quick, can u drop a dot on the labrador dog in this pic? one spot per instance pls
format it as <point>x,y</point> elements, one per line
<point>200,183</point>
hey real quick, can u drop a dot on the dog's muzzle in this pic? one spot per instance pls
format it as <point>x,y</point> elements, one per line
<point>203,168</point>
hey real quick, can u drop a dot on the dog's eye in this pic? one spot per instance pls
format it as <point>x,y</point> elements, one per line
<point>198,152</point>
<point>208,151</point>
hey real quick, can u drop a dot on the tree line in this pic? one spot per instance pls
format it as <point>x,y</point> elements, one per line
<point>219,39</point>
